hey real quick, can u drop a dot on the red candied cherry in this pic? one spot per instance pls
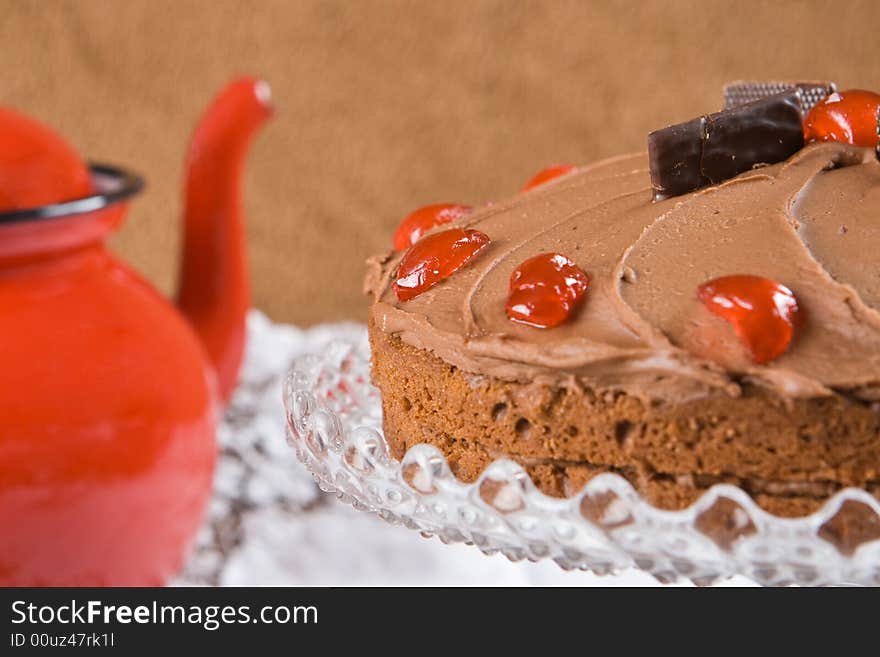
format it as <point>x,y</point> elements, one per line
<point>420,221</point>
<point>548,174</point>
<point>847,116</point>
<point>764,313</point>
<point>545,290</point>
<point>436,257</point>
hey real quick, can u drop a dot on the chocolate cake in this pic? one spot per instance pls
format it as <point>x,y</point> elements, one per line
<point>721,331</point>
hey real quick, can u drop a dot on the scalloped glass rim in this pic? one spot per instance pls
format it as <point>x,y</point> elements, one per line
<point>334,420</point>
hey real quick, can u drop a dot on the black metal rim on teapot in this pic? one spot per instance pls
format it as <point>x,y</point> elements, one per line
<point>112,184</point>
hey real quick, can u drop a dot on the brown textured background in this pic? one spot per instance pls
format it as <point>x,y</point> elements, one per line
<point>388,105</point>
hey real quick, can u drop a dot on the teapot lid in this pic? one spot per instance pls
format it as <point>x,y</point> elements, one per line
<point>42,176</point>
<point>112,185</point>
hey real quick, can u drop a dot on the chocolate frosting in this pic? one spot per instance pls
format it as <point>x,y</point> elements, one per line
<point>812,223</point>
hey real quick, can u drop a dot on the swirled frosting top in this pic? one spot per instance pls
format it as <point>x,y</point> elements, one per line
<point>812,223</point>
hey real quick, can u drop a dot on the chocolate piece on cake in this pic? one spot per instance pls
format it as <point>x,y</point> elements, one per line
<point>715,147</point>
<point>674,157</point>
<point>762,132</point>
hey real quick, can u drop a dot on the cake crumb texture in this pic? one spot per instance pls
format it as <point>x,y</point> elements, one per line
<point>790,457</point>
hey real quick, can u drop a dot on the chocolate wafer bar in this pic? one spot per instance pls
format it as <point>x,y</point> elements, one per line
<point>747,91</point>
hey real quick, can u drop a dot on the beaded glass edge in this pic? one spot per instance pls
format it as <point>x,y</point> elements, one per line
<point>334,420</point>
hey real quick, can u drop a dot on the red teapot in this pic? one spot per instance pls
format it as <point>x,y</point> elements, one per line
<point>109,395</point>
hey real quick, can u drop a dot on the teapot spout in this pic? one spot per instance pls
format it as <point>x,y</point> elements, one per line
<point>214,292</point>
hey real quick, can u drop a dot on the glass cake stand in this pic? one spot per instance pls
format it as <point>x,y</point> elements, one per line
<point>334,420</point>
